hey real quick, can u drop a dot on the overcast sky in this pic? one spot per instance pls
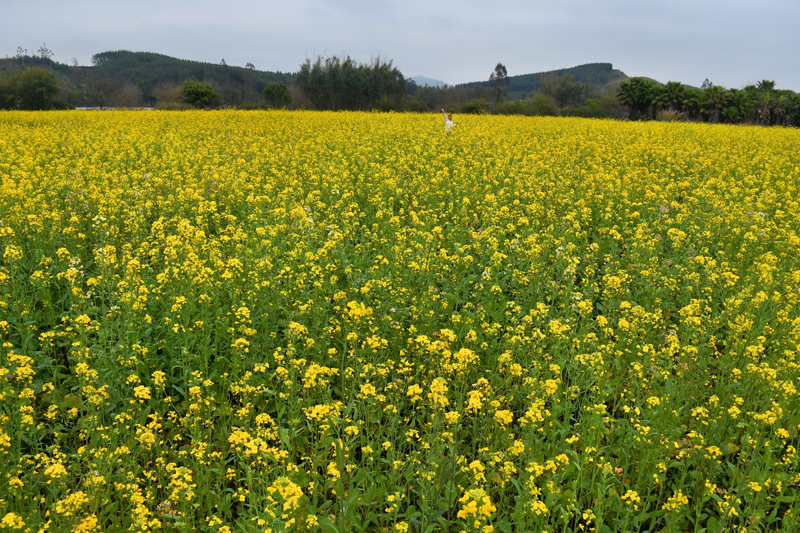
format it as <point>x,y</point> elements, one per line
<point>730,42</point>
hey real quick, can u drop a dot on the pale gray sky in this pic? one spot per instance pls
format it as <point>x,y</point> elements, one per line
<point>730,42</point>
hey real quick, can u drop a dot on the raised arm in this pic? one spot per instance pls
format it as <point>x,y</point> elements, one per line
<point>445,114</point>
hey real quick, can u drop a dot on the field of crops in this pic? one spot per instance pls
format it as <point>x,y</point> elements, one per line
<point>268,321</point>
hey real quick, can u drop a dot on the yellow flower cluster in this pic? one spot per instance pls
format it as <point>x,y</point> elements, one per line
<point>314,321</point>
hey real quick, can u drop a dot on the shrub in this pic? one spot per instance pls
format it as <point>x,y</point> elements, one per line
<point>540,105</point>
<point>168,95</point>
<point>475,107</point>
<point>387,104</point>
<point>581,110</point>
<point>417,106</point>
<point>608,106</point>
<point>199,93</point>
<point>508,108</point>
<point>299,99</point>
<point>669,115</point>
<point>277,94</point>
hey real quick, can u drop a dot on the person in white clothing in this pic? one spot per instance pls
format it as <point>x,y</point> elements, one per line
<point>448,122</point>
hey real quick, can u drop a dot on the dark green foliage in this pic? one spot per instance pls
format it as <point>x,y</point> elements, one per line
<point>715,102</point>
<point>636,97</point>
<point>760,104</point>
<point>509,108</point>
<point>672,95</point>
<point>416,106</point>
<point>199,93</point>
<point>277,94</point>
<point>475,107</point>
<point>599,107</point>
<point>765,86</point>
<point>606,106</point>
<point>36,89</point>
<point>336,84</point>
<point>7,100</point>
<point>30,89</point>
<point>539,105</point>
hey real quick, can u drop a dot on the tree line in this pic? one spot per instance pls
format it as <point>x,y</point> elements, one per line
<point>335,83</point>
<point>132,79</point>
<point>760,104</point>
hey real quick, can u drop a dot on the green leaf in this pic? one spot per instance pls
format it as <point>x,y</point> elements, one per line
<point>352,503</point>
<point>284,435</point>
<point>327,526</point>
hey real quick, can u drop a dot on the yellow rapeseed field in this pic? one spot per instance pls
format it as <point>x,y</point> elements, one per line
<point>269,321</point>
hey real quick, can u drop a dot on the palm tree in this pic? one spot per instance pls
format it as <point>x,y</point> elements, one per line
<point>655,94</point>
<point>793,109</point>
<point>636,96</point>
<point>626,96</point>
<point>715,100</point>
<point>693,103</point>
<point>761,110</point>
<point>673,95</point>
<point>779,109</point>
<point>765,86</point>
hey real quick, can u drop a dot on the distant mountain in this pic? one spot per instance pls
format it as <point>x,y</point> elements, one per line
<point>601,76</point>
<point>422,81</point>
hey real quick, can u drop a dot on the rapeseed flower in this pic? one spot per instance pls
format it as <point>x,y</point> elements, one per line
<point>540,321</point>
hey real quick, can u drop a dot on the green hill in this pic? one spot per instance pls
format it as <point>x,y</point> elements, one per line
<point>600,76</point>
<point>113,72</point>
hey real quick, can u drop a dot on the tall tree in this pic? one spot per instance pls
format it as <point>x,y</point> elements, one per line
<point>715,102</point>
<point>564,90</point>
<point>693,103</point>
<point>101,91</point>
<point>500,78</point>
<point>636,96</point>
<point>22,53</point>
<point>44,52</point>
